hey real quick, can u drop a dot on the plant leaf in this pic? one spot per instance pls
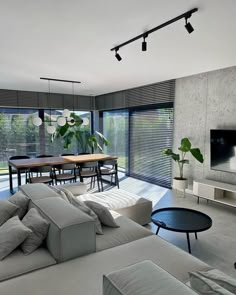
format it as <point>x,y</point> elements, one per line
<point>197,154</point>
<point>168,152</point>
<point>184,161</point>
<point>185,145</point>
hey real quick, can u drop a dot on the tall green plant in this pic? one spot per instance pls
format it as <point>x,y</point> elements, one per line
<point>180,158</point>
<point>86,141</point>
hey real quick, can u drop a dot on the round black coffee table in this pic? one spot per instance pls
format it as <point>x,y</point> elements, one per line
<point>181,220</point>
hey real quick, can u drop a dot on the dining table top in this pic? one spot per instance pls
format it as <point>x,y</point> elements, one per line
<point>37,162</point>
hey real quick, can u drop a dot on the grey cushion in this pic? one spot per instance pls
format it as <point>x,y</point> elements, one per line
<point>39,227</point>
<point>17,263</point>
<point>205,286</point>
<point>77,203</point>
<point>143,278</point>
<point>20,200</point>
<point>7,210</point>
<point>103,213</point>
<point>12,234</point>
<point>221,279</point>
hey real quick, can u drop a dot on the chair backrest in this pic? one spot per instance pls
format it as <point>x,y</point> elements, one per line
<point>19,157</point>
<point>43,169</point>
<point>69,166</point>
<point>68,155</point>
<point>89,164</point>
<point>44,156</point>
<point>108,163</point>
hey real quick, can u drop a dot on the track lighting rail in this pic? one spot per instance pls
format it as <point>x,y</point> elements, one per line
<point>59,80</point>
<point>144,35</point>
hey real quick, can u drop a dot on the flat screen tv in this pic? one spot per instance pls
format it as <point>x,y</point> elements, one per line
<point>223,150</point>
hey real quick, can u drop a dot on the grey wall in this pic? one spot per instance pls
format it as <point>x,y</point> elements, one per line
<point>30,99</point>
<point>203,102</point>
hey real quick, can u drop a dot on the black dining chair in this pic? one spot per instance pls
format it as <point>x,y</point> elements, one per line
<point>89,170</point>
<point>108,168</point>
<point>64,173</point>
<point>42,174</point>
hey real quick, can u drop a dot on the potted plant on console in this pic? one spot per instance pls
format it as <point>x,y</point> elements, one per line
<point>180,182</point>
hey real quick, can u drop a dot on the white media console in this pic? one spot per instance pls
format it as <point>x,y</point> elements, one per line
<point>215,191</point>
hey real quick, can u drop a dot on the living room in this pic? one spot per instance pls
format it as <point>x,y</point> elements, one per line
<point>136,85</point>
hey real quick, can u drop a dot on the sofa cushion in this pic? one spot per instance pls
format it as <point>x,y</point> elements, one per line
<point>12,234</point>
<point>39,227</point>
<point>103,213</point>
<point>20,200</point>
<point>83,276</point>
<point>143,278</point>
<point>127,231</point>
<point>205,286</point>
<point>7,210</point>
<point>71,232</point>
<point>38,191</point>
<point>130,205</point>
<point>221,279</point>
<point>17,263</point>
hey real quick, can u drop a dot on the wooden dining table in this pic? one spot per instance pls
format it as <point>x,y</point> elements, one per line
<point>24,164</point>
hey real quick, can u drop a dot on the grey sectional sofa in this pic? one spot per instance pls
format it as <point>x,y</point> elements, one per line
<point>75,259</point>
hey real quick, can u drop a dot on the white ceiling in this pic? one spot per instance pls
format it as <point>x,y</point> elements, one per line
<point>72,40</point>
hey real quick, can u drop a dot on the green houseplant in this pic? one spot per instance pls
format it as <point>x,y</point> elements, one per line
<point>180,182</point>
<point>86,141</point>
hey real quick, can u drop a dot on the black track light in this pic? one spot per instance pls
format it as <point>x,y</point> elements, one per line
<point>118,57</point>
<point>144,44</point>
<point>188,26</point>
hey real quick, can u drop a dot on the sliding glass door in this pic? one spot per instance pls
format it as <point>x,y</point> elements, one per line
<point>115,129</point>
<point>151,131</point>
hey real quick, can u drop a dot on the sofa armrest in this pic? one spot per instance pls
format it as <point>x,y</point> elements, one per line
<point>71,232</point>
<point>143,278</point>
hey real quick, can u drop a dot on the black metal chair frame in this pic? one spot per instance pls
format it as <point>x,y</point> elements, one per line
<point>110,169</point>
<point>92,168</point>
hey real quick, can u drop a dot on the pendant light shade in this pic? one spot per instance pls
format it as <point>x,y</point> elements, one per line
<point>85,121</point>
<point>66,113</point>
<point>61,121</point>
<point>51,129</point>
<point>37,121</point>
<point>71,121</point>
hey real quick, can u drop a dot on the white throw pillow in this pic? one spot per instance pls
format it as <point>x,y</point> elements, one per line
<point>7,210</point>
<point>39,227</point>
<point>12,234</point>
<point>205,286</point>
<point>103,213</point>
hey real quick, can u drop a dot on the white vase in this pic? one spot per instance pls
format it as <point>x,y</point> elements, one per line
<point>180,184</point>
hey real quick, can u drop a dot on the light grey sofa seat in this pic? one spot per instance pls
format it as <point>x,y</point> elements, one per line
<point>130,205</point>
<point>17,263</point>
<point>84,275</point>
<point>127,232</point>
<point>143,278</point>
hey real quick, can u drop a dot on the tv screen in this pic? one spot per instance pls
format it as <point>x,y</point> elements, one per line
<point>223,150</point>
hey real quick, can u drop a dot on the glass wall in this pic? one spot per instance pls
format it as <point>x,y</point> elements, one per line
<point>115,129</point>
<point>20,137</point>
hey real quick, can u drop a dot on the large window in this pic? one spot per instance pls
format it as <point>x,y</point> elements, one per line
<point>20,137</point>
<point>115,129</point>
<point>138,137</point>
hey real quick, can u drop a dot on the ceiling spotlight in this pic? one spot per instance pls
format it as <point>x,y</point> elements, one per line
<point>144,43</point>
<point>118,57</point>
<point>188,26</point>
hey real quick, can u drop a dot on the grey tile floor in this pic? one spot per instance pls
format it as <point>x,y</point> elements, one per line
<point>216,246</point>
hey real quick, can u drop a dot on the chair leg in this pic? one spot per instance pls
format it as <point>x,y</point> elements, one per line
<point>98,182</point>
<point>117,180</point>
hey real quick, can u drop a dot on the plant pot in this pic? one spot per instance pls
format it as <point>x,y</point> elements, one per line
<point>180,184</point>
